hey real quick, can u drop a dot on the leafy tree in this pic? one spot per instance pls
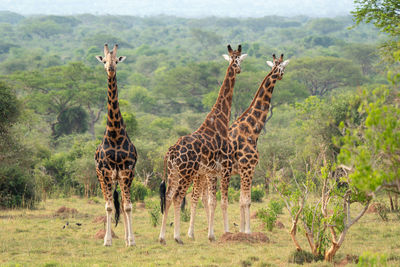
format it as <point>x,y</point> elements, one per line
<point>383,13</point>
<point>325,25</point>
<point>9,108</point>
<point>372,149</point>
<point>324,74</point>
<point>57,91</point>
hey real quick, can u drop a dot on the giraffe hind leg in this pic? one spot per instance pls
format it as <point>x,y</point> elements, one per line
<point>125,183</point>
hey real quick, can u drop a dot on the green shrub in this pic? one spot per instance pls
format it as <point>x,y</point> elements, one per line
<point>372,259</point>
<point>257,193</point>
<point>138,191</point>
<point>268,217</point>
<point>154,210</point>
<point>276,206</point>
<point>16,187</point>
<point>300,257</point>
<point>185,215</point>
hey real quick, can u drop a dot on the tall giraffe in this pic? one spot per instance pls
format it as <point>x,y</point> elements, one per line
<point>243,135</point>
<point>205,153</point>
<point>116,155</point>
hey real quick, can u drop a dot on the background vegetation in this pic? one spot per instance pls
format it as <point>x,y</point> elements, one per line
<point>338,103</point>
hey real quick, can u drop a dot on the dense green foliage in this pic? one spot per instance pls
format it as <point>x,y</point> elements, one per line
<point>167,84</point>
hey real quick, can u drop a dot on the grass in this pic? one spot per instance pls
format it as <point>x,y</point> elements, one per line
<point>37,238</point>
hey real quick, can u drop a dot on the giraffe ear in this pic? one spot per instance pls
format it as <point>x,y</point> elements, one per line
<point>269,63</point>
<point>100,58</point>
<point>285,63</point>
<point>120,59</point>
<point>228,58</point>
<point>243,57</point>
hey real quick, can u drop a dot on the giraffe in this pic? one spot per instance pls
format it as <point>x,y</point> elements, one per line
<point>116,155</point>
<point>243,137</point>
<point>205,153</point>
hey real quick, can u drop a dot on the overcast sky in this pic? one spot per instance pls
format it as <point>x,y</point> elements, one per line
<point>183,8</point>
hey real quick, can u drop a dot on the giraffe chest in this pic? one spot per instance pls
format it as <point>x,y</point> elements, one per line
<point>117,153</point>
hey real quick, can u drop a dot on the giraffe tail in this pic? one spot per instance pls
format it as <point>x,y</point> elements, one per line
<point>183,204</point>
<point>163,190</point>
<point>163,187</point>
<point>116,206</point>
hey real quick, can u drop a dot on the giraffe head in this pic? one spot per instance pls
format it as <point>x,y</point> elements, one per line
<point>278,66</point>
<point>110,60</point>
<point>235,57</point>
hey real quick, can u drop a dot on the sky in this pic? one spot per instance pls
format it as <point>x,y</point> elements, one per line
<point>182,8</point>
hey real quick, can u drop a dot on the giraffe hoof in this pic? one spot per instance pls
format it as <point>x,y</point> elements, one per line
<point>107,243</point>
<point>179,241</point>
<point>191,236</point>
<point>211,238</point>
<point>130,243</point>
<point>162,241</point>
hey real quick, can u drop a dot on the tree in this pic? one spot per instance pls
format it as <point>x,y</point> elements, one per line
<point>58,91</point>
<point>383,13</point>
<point>324,74</point>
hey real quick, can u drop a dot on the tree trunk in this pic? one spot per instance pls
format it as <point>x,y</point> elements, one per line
<point>331,252</point>
<point>293,236</point>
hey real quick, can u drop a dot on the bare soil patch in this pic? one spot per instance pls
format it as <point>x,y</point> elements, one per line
<point>256,237</point>
<point>100,219</point>
<point>65,210</point>
<point>102,232</point>
<point>279,225</point>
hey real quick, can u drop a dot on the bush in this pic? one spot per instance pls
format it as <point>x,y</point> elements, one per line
<point>300,257</point>
<point>268,217</point>
<point>257,193</point>
<point>16,188</point>
<point>154,210</point>
<point>138,191</point>
<point>372,259</point>
<point>276,206</point>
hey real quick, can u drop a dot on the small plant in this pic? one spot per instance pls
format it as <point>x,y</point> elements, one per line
<point>372,259</point>
<point>276,206</point>
<point>185,215</point>
<point>233,195</point>
<point>300,257</point>
<point>268,217</point>
<point>154,211</point>
<point>257,193</point>
<point>139,191</point>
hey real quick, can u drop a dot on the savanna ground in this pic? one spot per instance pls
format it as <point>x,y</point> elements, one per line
<point>37,238</point>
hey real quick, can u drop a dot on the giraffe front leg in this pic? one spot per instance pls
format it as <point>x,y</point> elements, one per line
<point>125,183</point>
<point>108,235</point>
<point>212,203</point>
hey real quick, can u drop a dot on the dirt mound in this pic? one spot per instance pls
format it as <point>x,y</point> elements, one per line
<point>140,205</point>
<point>373,208</point>
<point>279,225</point>
<point>65,210</point>
<point>253,215</point>
<point>347,260</point>
<point>102,232</point>
<point>100,219</point>
<point>256,237</point>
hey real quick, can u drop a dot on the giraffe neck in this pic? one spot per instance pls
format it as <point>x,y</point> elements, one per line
<point>114,118</point>
<point>256,113</point>
<point>219,116</point>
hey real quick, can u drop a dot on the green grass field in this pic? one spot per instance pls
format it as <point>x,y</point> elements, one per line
<point>37,238</point>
